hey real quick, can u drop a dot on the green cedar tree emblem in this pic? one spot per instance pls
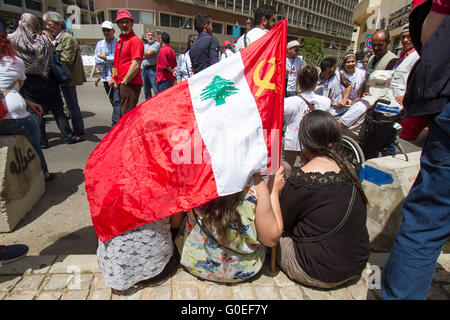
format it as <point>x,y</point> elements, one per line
<point>218,89</point>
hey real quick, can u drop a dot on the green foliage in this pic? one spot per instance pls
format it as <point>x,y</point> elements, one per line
<point>313,51</point>
<point>218,89</point>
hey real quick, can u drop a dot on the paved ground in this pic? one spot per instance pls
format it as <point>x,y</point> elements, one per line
<point>77,277</point>
<point>59,232</point>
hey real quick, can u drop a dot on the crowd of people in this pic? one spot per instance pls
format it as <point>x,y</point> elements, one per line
<point>314,213</point>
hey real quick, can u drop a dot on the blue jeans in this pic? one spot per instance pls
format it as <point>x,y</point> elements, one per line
<point>149,82</point>
<point>426,219</point>
<point>27,127</point>
<point>113,95</point>
<point>163,85</point>
<point>70,94</point>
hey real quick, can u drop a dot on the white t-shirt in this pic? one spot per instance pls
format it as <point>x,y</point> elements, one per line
<point>295,108</point>
<point>293,66</point>
<point>10,71</point>
<point>252,35</point>
<point>357,80</point>
<point>228,53</point>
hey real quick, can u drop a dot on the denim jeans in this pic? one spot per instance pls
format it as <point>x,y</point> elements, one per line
<point>149,81</point>
<point>426,219</point>
<point>163,85</point>
<point>27,127</point>
<point>113,95</point>
<point>70,94</point>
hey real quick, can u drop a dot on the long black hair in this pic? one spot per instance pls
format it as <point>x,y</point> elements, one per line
<point>321,136</point>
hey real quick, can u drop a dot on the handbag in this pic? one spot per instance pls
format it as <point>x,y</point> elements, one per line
<point>59,70</point>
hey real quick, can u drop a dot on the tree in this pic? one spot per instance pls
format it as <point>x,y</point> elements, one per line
<point>218,89</point>
<point>313,51</point>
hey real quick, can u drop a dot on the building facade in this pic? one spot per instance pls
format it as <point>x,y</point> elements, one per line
<point>370,15</point>
<point>330,20</point>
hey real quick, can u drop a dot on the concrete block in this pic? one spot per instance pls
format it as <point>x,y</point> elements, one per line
<point>21,180</point>
<point>386,198</point>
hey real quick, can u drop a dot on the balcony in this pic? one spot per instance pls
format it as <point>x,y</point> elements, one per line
<point>364,10</point>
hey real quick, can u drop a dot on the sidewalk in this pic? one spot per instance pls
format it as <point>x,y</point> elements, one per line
<point>77,277</point>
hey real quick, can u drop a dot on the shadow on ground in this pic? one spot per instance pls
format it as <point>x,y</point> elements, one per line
<point>83,241</point>
<point>58,190</point>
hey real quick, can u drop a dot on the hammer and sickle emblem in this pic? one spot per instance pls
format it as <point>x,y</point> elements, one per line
<point>265,82</point>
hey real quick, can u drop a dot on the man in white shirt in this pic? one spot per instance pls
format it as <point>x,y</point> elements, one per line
<point>294,63</point>
<point>104,59</point>
<point>264,19</point>
<point>226,50</point>
<point>331,85</point>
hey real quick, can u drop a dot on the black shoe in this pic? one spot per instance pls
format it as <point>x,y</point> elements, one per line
<point>44,144</point>
<point>12,252</point>
<point>75,140</point>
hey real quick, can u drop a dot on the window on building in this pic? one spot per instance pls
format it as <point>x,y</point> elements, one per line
<point>17,3</point>
<point>148,18</point>
<point>217,27</point>
<point>229,30</point>
<point>101,17</point>
<point>238,5</point>
<point>221,4</point>
<point>33,5</point>
<point>134,14</point>
<point>164,20</point>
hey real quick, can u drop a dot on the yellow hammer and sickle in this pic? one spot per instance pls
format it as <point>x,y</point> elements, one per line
<point>265,82</point>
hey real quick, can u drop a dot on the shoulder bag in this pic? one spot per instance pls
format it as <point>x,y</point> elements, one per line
<point>59,70</point>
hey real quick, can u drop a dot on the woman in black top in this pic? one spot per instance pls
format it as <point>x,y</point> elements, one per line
<point>315,202</point>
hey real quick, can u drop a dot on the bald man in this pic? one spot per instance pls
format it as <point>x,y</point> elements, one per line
<point>383,58</point>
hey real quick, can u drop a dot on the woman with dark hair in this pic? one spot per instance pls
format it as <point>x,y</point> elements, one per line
<point>325,241</point>
<point>354,75</point>
<point>40,87</point>
<point>184,65</point>
<point>223,240</point>
<point>18,120</point>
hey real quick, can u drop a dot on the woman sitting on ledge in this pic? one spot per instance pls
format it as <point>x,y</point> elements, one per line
<point>224,239</point>
<point>325,242</point>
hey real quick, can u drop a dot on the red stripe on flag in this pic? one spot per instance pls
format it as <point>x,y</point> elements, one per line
<point>131,176</point>
<point>265,69</point>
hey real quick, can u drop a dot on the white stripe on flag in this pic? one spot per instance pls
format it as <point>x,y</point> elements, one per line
<point>232,131</point>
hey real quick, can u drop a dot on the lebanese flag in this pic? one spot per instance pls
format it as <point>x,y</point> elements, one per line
<point>193,142</point>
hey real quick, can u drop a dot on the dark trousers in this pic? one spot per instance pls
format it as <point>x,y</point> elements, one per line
<point>113,95</point>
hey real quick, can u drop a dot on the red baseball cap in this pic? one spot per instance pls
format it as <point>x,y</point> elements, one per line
<point>226,43</point>
<point>122,13</point>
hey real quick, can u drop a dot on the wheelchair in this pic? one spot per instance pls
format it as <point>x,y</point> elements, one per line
<point>379,131</point>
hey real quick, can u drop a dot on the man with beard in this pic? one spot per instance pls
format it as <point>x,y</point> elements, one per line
<point>264,19</point>
<point>127,62</point>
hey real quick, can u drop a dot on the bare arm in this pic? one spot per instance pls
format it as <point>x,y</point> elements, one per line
<point>268,219</point>
<point>431,24</point>
<point>176,219</point>
<point>132,72</point>
<point>345,97</point>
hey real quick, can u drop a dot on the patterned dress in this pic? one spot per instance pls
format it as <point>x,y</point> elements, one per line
<point>205,258</point>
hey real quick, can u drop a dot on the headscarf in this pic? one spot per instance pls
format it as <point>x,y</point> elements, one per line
<point>32,47</point>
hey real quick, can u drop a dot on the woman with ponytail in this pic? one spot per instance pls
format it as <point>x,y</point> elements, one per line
<point>325,241</point>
